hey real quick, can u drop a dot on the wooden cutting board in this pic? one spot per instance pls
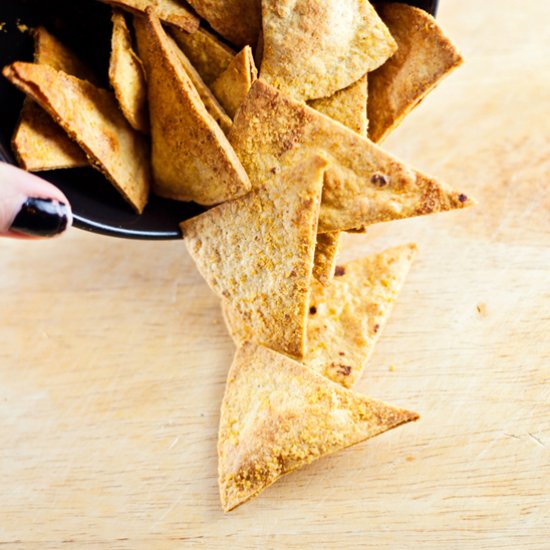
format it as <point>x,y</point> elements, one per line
<point>113,355</point>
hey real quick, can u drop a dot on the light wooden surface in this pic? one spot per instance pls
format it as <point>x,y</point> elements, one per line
<point>113,356</point>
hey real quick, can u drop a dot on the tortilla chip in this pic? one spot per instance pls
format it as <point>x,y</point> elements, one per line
<point>239,21</point>
<point>192,159</point>
<point>257,253</point>
<point>169,11</point>
<point>207,54</point>
<point>346,317</point>
<point>277,416</point>
<point>425,56</point>
<point>326,250</point>
<point>314,49</point>
<point>126,76</point>
<point>347,106</point>
<point>363,184</point>
<point>91,117</point>
<point>38,142</point>
<point>233,85</point>
<point>209,100</point>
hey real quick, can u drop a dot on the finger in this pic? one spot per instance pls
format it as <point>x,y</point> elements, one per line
<point>30,206</point>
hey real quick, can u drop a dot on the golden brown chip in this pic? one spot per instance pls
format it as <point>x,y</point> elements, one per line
<point>278,416</point>
<point>425,56</point>
<point>209,100</point>
<point>126,76</point>
<point>38,142</point>
<point>233,85</point>
<point>91,117</point>
<point>346,317</point>
<point>314,49</point>
<point>326,250</point>
<point>239,21</point>
<point>169,11</point>
<point>207,54</point>
<point>347,106</point>
<point>256,253</point>
<point>363,184</point>
<point>192,159</point>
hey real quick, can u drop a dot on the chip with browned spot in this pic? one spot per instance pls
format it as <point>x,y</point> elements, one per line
<point>278,415</point>
<point>346,317</point>
<point>363,184</point>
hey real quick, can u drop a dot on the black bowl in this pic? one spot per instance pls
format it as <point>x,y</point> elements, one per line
<point>85,26</point>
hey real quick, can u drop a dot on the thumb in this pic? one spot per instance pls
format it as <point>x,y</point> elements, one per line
<point>30,206</point>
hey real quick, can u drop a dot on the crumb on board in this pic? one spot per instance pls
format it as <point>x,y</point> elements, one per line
<point>391,368</point>
<point>481,309</point>
<point>410,458</point>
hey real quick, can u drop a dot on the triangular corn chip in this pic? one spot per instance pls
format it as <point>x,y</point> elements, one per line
<point>256,253</point>
<point>207,54</point>
<point>347,106</point>
<point>170,11</point>
<point>209,100</point>
<point>233,85</point>
<point>314,49</point>
<point>239,21</point>
<point>192,159</point>
<point>326,250</point>
<point>424,57</point>
<point>277,416</point>
<point>38,142</point>
<point>363,184</point>
<point>346,317</point>
<point>126,76</point>
<point>91,117</point>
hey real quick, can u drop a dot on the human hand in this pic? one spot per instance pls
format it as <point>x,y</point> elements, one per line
<point>31,207</point>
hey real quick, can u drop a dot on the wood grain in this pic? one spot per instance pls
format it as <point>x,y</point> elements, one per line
<point>113,356</point>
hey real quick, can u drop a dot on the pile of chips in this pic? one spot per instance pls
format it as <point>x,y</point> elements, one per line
<point>280,140</point>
